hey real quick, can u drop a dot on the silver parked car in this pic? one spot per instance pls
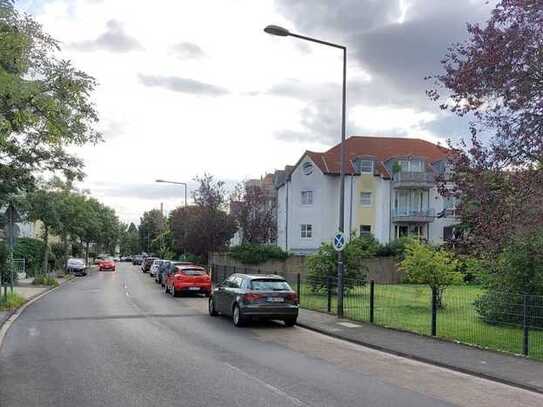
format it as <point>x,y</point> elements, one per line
<point>246,297</point>
<point>76,266</point>
<point>154,267</point>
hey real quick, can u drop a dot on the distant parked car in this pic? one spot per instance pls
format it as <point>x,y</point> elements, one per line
<point>116,258</point>
<point>106,264</point>
<point>146,263</point>
<point>154,267</point>
<point>166,267</point>
<point>246,297</point>
<point>187,279</point>
<point>76,266</point>
<point>137,259</point>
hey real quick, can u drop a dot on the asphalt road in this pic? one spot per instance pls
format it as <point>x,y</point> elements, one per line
<point>113,339</point>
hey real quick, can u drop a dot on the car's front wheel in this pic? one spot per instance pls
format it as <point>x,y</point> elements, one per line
<point>238,319</point>
<point>211,308</point>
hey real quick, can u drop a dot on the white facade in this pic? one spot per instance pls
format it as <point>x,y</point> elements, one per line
<point>372,203</point>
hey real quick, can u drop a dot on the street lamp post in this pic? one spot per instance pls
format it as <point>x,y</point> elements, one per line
<point>283,32</point>
<point>177,183</point>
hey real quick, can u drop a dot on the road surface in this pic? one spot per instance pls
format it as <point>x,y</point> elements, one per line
<point>113,339</point>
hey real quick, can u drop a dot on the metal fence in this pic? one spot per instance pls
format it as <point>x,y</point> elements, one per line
<point>506,322</point>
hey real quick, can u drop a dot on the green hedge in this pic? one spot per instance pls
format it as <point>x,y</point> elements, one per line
<point>32,251</point>
<point>257,254</point>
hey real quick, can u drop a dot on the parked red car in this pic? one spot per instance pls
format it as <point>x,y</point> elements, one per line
<point>106,264</point>
<point>187,279</point>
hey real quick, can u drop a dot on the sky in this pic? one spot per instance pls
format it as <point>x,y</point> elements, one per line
<point>193,87</point>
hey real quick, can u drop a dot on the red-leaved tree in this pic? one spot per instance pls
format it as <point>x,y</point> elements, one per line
<point>496,79</point>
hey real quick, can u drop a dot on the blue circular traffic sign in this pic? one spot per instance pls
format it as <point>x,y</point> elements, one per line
<point>339,241</point>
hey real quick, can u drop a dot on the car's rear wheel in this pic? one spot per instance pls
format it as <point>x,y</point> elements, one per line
<point>290,322</point>
<point>211,308</point>
<point>238,319</point>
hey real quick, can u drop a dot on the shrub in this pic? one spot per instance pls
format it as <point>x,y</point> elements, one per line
<point>256,254</point>
<point>323,264</point>
<point>518,271</point>
<point>4,271</point>
<point>424,264</point>
<point>32,251</point>
<point>192,258</point>
<point>395,248</point>
<point>45,280</point>
<point>14,300</point>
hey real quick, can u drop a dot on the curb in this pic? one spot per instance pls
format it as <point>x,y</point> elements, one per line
<point>14,314</point>
<point>417,358</point>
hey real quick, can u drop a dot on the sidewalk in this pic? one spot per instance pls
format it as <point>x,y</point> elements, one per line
<point>516,371</point>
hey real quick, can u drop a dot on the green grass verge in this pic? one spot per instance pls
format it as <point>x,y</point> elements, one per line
<point>13,301</point>
<point>45,280</point>
<point>408,307</point>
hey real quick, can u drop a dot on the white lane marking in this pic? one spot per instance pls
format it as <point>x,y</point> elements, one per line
<point>270,387</point>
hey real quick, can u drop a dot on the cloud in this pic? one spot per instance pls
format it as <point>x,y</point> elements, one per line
<point>187,50</point>
<point>182,85</point>
<point>114,39</point>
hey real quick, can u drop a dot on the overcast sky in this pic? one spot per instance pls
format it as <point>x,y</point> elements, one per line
<point>187,87</point>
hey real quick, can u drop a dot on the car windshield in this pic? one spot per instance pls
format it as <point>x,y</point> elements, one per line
<point>75,261</point>
<point>193,272</point>
<point>269,285</point>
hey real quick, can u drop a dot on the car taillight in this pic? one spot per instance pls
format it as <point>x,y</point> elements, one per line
<point>252,297</point>
<point>179,276</point>
<point>292,298</point>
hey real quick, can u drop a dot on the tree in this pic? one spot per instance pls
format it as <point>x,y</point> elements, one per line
<point>44,207</point>
<point>129,239</point>
<point>152,225</point>
<point>254,212</point>
<point>205,226</point>
<point>436,267</point>
<point>496,79</point>
<point>323,264</point>
<point>44,105</point>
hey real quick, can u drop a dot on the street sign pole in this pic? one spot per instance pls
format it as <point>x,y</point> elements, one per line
<point>339,244</point>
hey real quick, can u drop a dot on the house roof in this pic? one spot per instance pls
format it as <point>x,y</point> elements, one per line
<point>381,149</point>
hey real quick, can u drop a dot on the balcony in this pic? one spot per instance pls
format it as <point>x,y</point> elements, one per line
<point>413,180</point>
<point>410,215</point>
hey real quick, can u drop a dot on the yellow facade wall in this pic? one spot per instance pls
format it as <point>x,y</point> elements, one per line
<point>366,216</point>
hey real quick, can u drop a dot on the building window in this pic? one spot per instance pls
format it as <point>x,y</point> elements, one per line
<point>307,168</point>
<point>411,165</point>
<point>306,231</point>
<point>365,230</point>
<point>307,197</point>
<point>366,199</point>
<point>365,166</point>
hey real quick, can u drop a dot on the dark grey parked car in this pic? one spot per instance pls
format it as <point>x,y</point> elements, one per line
<point>76,266</point>
<point>261,296</point>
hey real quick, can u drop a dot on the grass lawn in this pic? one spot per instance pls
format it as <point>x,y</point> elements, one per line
<point>408,307</point>
<point>14,300</point>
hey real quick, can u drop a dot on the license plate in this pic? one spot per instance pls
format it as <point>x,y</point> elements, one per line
<point>276,299</point>
<point>194,288</point>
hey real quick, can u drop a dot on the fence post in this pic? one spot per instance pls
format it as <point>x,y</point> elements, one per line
<point>434,311</point>
<point>372,301</point>
<point>525,343</point>
<point>329,293</point>
<point>298,286</point>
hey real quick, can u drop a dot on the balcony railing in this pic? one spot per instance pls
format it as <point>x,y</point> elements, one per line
<point>414,179</point>
<point>413,215</point>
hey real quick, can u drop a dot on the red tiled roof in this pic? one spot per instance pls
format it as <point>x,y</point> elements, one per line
<point>381,149</point>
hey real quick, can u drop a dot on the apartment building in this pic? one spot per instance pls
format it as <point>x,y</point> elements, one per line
<point>390,192</point>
